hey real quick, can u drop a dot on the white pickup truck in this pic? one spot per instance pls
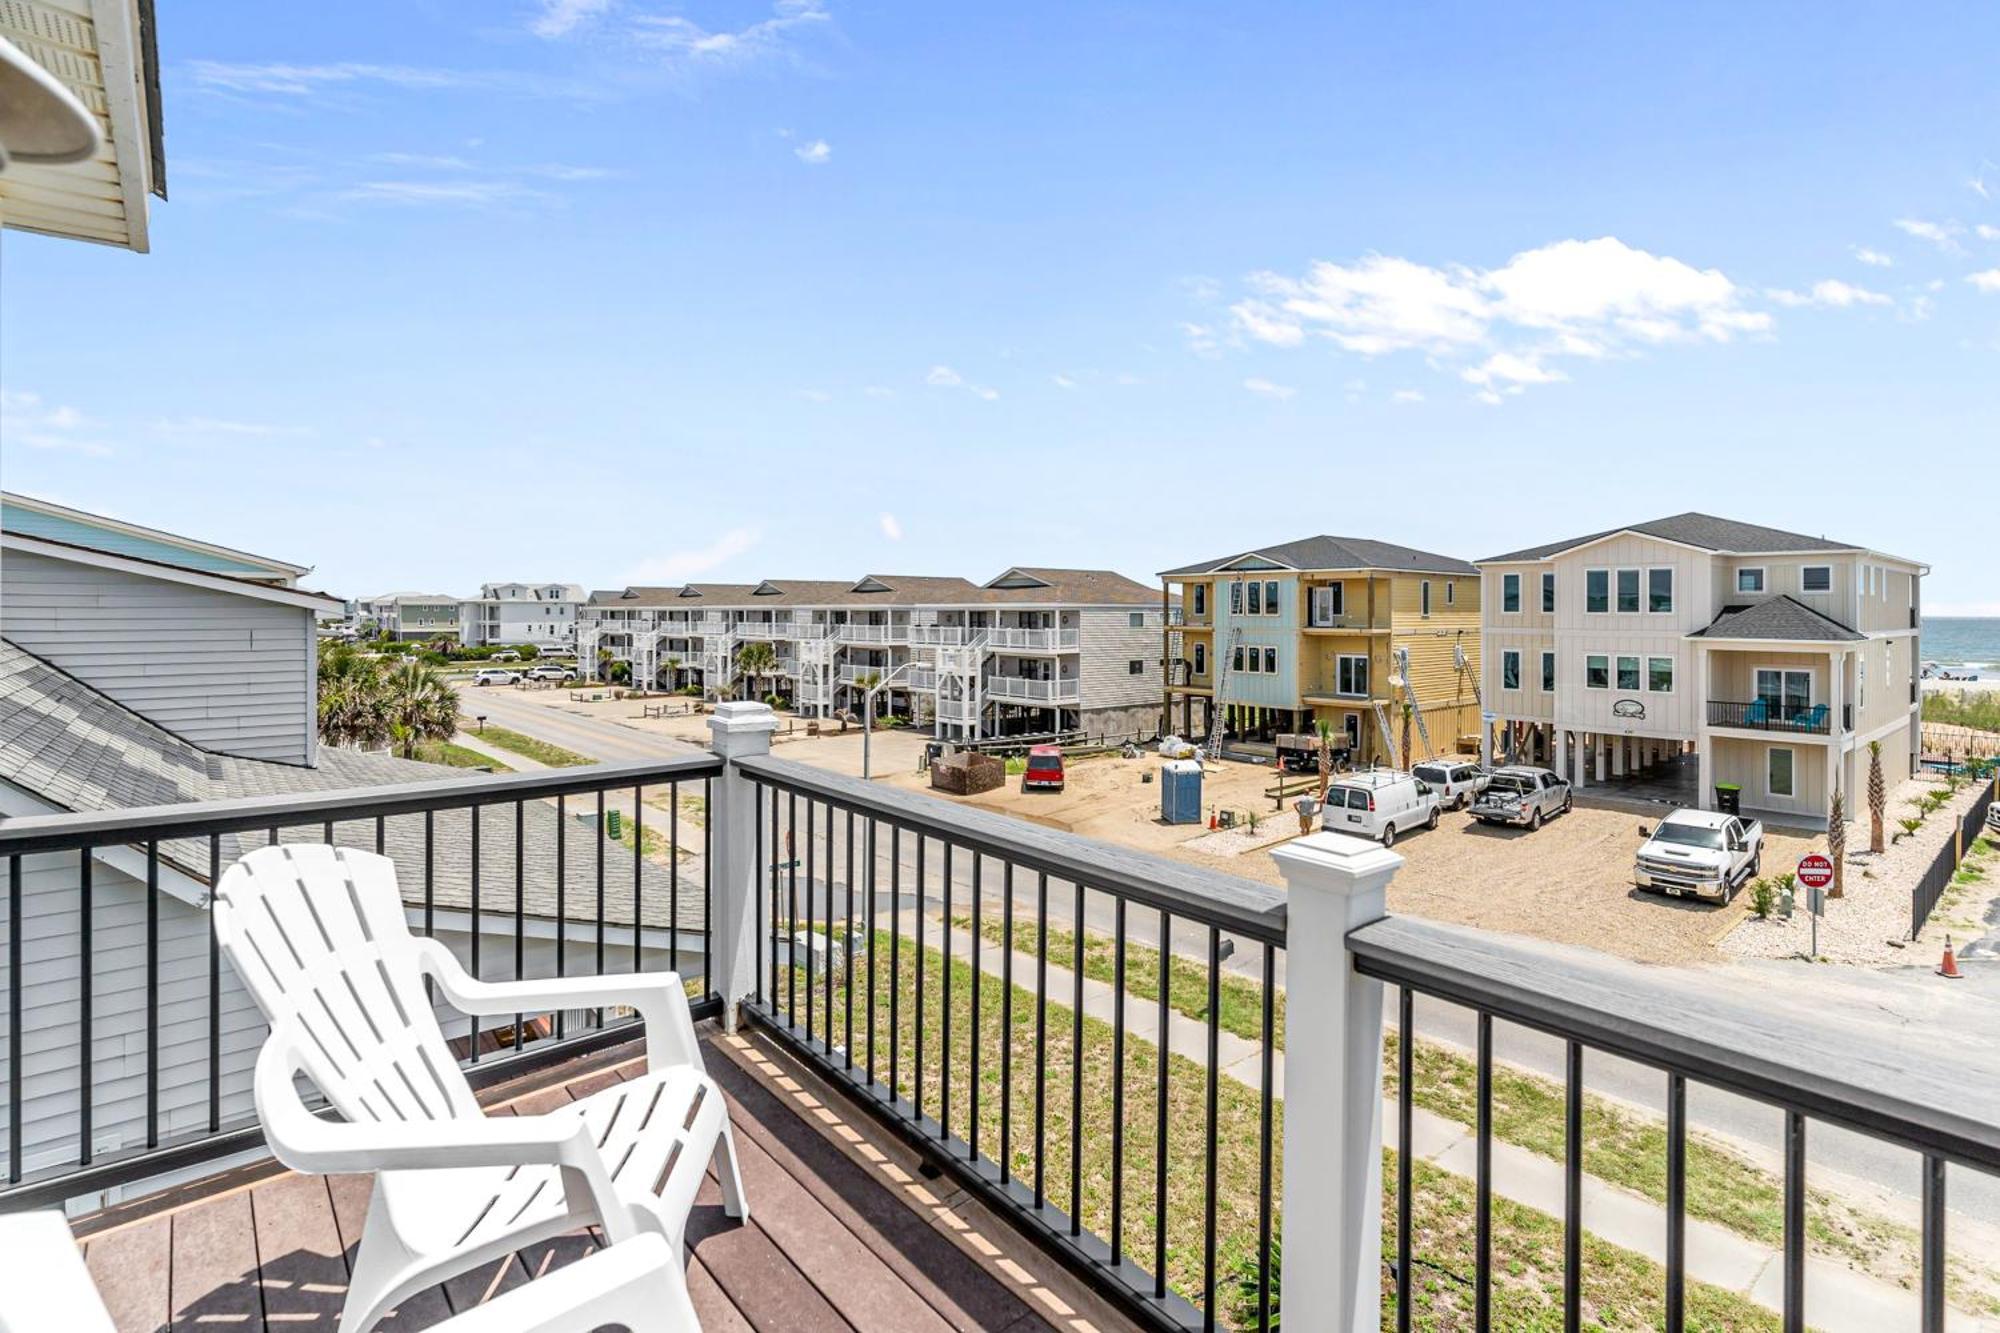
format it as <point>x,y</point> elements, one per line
<point>1700,852</point>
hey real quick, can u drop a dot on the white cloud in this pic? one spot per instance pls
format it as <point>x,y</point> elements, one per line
<point>1407,396</point>
<point>891,528</point>
<point>28,422</point>
<point>1266,389</point>
<point>1202,290</point>
<point>879,391</point>
<point>1873,258</point>
<point>680,566</point>
<point>1986,231</point>
<point>944,377</point>
<point>453,193</point>
<point>558,18</point>
<point>1944,235</point>
<point>304,82</point>
<point>1573,298</point>
<point>1829,292</point>
<point>684,39</point>
<point>1989,281</point>
<point>1201,339</point>
<point>1062,381</point>
<point>817,153</point>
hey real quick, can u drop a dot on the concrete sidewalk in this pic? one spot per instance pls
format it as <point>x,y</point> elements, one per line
<point>1838,1299</point>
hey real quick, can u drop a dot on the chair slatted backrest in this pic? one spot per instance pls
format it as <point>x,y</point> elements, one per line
<point>318,935</point>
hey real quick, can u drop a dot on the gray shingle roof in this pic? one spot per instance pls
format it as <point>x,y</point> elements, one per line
<point>78,749</point>
<point>1779,618</point>
<point>1692,529</point>
<point>1088,587</point>
<point>1338,553</point>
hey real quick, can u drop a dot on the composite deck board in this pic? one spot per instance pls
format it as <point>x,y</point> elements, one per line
<point>829,1245</point>
<point>215,1273</point>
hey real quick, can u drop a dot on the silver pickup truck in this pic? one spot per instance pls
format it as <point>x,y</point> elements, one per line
<point>1521,795</point>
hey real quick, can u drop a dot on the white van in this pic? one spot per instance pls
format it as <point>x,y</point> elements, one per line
<point>1379,804</point>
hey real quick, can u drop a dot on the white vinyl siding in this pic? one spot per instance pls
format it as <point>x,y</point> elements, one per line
<point>1108,644</point>
<point>230,673</point>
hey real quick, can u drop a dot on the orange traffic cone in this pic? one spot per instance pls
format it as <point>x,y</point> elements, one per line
<point>1949,967</point>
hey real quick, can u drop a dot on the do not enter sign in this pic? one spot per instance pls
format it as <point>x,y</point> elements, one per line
<point>1815,871</point>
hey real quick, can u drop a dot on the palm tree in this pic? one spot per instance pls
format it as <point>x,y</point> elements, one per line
<point>1408,709</point>
<point>1325,730</point>
<point>1836,842</point>
<point>673,673</point>
<point>1878,796</point>
<point>604,656</point>
<point>351,710</point>
<point>756,659</point>
<point>420,707</point>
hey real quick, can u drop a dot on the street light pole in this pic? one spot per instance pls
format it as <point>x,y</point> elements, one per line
<point>868,710</point>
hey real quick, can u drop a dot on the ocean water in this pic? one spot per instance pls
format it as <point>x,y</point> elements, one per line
<point>1962,642</point>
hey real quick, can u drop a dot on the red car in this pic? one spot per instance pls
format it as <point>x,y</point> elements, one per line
<point>1045,769</point>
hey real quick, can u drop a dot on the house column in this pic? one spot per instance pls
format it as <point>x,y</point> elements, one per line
<point>1704,771</point>
<point>1618,744</point>
<point>1603,756</point>
<point>1836,738</point>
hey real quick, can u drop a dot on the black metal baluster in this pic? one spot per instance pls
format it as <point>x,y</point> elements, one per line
<point>1932,1280</point>
<point>775,867</point>
<point>1214,1109</point>
<point>792,910</point>
<point>600,896</point>
<point>326,832</point>
<point>1573,1187</point>
<point>895,958</point>
<point>757,854</point>
<point>1164,1060</point>
<point>872,909</point>
<point>847,961</point>
<point>214,992</point>
<point>1041,1032</point>
<point>562,901</point>
<point>674,876</point>
<point>520,902</point>
<point>1118,1081</point>
<point>381,836</point>
<point>917,1085</point>
<point>1076,1071</point>
<point>152,995</point>
<point>86,954</point>
<point>1676,1203</point>
<point>430,877</point>
<point>708,885</point>
<point>1406,1042</point>
<point>1007,1022</point>
<point>1266,1132</point>
<point>978,984</point>
<point>638,877</point>
<point>473,1019</point>
<point>826,968</point>
<point>944,997</point>
<point>1795,1223</point>
<point>14,1020</point>
<point>1482,1223</point>
<point>809,922</point>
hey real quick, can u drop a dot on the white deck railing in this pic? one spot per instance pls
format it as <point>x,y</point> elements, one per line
<point>1066,690</point>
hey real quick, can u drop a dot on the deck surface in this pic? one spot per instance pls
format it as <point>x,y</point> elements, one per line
<point>843,1233</point>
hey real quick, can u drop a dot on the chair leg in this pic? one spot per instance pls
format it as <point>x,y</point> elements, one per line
<point>735,1203</point>
<point>378,1266</point>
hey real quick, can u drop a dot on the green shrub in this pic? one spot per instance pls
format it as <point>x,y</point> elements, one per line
<point>1909,827</point>
<point>1763,898</point>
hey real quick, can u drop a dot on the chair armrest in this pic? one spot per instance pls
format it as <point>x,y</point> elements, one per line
<point>632,1284</point>
<point>658,998</point>
<point>307,1142</point>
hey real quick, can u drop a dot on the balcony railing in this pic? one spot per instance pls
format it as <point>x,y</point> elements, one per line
<point>1773,715</point>
<point>958,710</point>
<point>853,673</point>
<point>982,985</point>
<point>938,635</point>
<point>1032,640</point>
<point>1357,620</point>
<point>762,629</point>
<point>1065,690</point>
<point>921,678</point>
<point>853,633</point>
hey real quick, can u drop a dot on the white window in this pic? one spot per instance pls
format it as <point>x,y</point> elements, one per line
<point>1750,580</point>
<point>1201,659</point>
<point>1351,675</point>
<point>1660,591</point>
<point>1596,591</point>
<point>1424,597</point>
<point>1548,673</point>
<point>1816,578</point>
<point>1628,673</point>
<point>1779,777</point>
<point>1660,675</point>
<point>1628,592</point>
<point>1510,670</point>
<point>1327,604</point>
<point>1597,672</point>
<point>1271,661</point>
<point>1256,606</point>
<point>1548,593</point>
<point>1271,598</point>
<point>1137,619</point>
<point>1510,593</point>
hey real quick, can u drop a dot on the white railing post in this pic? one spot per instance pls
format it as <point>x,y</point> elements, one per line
<point>1333,1084</point>
<point>739,729</point>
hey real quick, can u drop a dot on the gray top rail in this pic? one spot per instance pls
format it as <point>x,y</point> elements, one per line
<point>28,834</point>
<point>1681,1022</point>
<point>1240,906</point>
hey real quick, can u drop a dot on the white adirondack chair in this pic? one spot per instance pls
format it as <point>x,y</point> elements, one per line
<point>45,1288</point>
<point>319,936</point>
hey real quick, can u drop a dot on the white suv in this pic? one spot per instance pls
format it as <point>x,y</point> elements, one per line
<point>1379,804</point>
<point>550,671</point>
<point>495,676</point>
<point>1456,781</point>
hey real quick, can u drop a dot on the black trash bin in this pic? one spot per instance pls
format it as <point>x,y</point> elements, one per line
<point>1729,798</point>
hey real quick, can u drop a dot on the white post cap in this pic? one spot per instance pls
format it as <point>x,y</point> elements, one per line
<point>1339,862</point>
<point>741,715</point>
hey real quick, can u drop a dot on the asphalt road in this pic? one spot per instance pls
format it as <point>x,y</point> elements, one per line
<point>1892,1008</point>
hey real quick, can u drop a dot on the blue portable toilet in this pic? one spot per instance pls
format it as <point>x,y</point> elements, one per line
<point>1180,792</point>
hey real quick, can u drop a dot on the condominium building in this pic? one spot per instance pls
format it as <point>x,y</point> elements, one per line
<point>1667,657</point>
<point>1361,634</point>
<point>543,614</point>
<point>427,616</point>
<point>1030,652</point>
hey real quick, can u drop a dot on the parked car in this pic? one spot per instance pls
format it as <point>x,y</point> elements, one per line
<point>1993,818</point>
<point>1456,781</point>
<point>505,655</point>
<point>1379,804</point>
<point>1701,852</point>
<point>550,671</point>
<point>495,676</point>
<point>1045,769</point>
<point>1518,794</point>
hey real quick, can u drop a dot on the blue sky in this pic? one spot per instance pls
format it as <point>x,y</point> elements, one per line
<point>620,290</point>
